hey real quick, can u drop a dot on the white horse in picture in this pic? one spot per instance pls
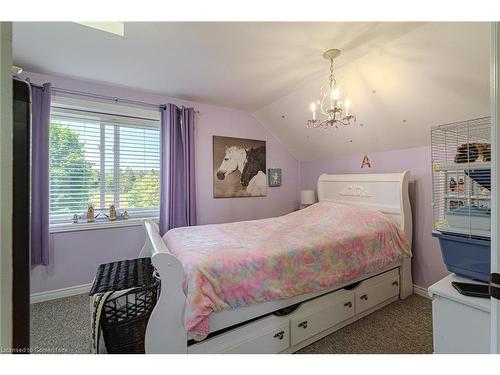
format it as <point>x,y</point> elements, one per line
<point>234,159</point>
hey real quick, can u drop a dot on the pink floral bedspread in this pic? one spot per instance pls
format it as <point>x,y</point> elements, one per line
<point>237,264</point>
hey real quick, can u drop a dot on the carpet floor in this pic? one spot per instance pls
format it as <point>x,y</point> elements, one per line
<point>404,326</point>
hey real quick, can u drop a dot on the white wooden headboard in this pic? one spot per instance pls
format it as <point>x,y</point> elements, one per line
<point>385,192</point>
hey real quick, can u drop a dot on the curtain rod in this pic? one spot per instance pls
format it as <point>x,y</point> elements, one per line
<point>104,97</point>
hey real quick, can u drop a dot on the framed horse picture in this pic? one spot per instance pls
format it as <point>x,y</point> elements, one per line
<point>239,167</point>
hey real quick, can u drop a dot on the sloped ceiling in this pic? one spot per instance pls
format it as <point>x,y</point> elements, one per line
<point>435,74</point>
<point>402,78</point>
<point>240,65</point>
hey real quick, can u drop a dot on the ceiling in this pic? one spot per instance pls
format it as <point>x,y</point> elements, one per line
<point>436,74</point>
<point>238,65</point>
<point>402,78</point>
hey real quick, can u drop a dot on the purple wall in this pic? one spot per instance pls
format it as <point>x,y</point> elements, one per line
<point>427,264</point>
<point>76,255</point>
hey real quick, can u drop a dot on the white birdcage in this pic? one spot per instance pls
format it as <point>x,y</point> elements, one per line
<point>461,178</point>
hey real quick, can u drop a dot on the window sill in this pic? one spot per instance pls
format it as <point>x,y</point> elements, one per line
<point>70,227</point>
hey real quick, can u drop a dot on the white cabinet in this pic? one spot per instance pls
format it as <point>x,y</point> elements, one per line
<point>461,324</point>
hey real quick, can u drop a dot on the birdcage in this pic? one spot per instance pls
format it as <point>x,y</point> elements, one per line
<point>461,179</point>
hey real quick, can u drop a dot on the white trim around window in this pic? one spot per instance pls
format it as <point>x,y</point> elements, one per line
<point>69,227</point>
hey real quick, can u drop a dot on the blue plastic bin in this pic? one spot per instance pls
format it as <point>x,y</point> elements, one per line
<point>467,257</point>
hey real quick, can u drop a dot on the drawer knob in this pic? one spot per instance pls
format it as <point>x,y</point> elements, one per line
<point>348,304</point>
<point>364,296</point>
<point>303,324</point>
<point>395,283</point>
<point>280,335</point>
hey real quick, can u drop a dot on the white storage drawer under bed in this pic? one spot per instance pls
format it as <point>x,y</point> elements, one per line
<point>275,334</point>
<point>376,290</point>
<point>267,335</point>
<point>318,315</point>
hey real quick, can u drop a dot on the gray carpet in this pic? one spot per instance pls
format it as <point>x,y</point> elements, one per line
<point>403,327</point>
<point>63,326</point>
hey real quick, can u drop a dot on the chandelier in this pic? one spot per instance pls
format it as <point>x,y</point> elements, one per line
<point>334,111</point>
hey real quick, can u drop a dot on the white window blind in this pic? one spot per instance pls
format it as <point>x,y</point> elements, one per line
<point>103,159</point>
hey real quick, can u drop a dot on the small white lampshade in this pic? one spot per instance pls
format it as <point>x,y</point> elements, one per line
<point>307,197</point>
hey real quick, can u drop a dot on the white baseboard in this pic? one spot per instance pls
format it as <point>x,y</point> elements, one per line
<point>421,291</point>
<point>80,289</point>
<point>59,293</point>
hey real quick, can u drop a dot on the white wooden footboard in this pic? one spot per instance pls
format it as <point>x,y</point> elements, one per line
<point>165,332</point>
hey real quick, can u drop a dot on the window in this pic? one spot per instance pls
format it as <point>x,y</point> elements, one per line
<point>103,159</point>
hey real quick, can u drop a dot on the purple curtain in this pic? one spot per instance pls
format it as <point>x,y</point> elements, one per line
<point>177,196</point>
<point>40,117</point>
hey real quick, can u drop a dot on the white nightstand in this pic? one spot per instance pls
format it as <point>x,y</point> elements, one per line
<point>461,324</point>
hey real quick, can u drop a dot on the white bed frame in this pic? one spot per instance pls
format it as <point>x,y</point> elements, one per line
<point>165,332</point>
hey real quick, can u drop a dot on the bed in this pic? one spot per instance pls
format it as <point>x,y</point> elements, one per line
<point>358,271</point>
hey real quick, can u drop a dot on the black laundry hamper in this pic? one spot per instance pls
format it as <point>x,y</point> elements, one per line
<point>126,311</point>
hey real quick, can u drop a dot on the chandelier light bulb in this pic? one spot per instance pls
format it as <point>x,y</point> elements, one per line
<point>336,93</point>
<point>313,110</point>
<point>347,104</point>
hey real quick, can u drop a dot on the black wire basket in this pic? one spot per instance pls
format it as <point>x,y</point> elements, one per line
<point>125,314</point>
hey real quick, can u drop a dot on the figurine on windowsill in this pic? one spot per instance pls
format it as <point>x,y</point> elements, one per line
<point>453,184</point>
<point>461,185</point>
<point>75,219</point>
<point>90,213</point>
<point>125,215</point>
<point>112,213</point>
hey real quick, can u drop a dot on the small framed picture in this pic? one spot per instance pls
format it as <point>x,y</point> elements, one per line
<point>274,177</point>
